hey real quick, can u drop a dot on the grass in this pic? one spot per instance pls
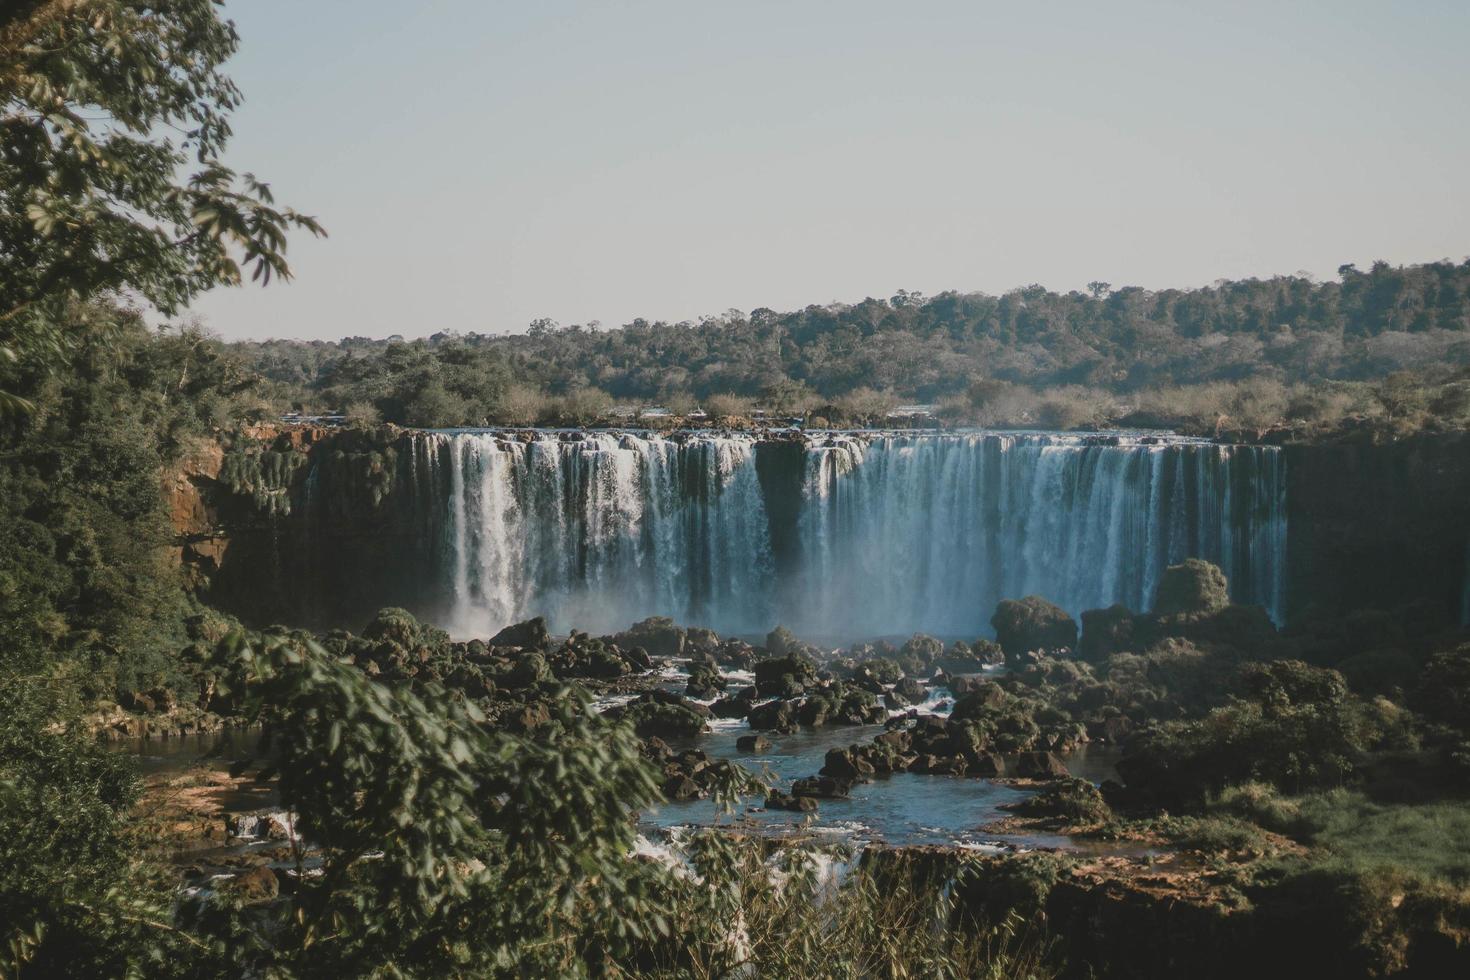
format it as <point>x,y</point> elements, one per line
<point>1431,840</point>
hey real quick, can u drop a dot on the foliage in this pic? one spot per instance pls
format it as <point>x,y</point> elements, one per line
<point>115,118</point>
<point>1240,355</point>
<point>74,898</point>
<point>1429,839</point>
<point>1298,729</point>
<point>84,566</point>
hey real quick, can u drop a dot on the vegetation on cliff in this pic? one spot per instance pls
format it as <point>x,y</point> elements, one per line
<point>1239,355</point>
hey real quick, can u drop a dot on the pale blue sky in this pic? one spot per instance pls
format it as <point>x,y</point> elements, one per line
<point>479,164</point>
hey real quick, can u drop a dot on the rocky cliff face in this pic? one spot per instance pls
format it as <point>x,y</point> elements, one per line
<point>1378,524</point>
<point>299,524</point>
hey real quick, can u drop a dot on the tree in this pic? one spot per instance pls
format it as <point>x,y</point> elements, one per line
<point>113,120</point>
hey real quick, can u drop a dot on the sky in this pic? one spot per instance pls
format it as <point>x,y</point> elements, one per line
<point>482,164</point>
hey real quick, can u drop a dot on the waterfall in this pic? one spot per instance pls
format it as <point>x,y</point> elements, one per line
<point>930,532</point>
<point>893,533</point>
<point>601,531</point>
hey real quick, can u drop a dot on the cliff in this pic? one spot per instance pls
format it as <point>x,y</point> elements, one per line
<point>1378,524</point>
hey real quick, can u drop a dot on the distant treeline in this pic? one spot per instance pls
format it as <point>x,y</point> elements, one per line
<point>1287,331</point>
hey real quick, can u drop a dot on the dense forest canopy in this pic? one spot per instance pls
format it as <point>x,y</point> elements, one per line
<point>1288,329</point>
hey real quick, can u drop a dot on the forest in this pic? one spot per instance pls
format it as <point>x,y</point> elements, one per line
<point>1248,349</point>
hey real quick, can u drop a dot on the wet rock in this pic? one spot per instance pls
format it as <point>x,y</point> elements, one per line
<point>897,740</point>
<point>736,655</point>
<point>698,640</point>
<point>777,800</point>
<point>736,706</point>
<point>530,635</point>
<point>705,682</point>
<point>1041,765</point>
<point>775,716</point>
<point>664,714</point>
<point>657,634</point>
<point>986,765</point>
<point>822,787</point>
<point>908,692</point>
<point>753,743</point>
<point>680,788</point>
<point>785,676</point>
<point>844,764</point>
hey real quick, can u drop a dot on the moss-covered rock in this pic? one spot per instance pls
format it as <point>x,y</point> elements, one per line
<point>1190,588</point>
<point>1031,624</point>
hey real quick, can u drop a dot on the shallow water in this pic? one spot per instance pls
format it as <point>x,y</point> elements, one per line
<point>903,808</point>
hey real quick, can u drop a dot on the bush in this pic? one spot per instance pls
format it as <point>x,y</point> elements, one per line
<point>721,406</point>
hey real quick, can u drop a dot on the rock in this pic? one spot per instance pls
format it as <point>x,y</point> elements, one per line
<point>775,716</point>
<point>909,691</point>
<point>843,764</point>
<point>781,641</point>
<point>657,749</point>
<point>753,743</point>
<point>1041,765</point>
<point>705,682</point>
<point>736,655</point>
<point>922,648</point>
<point>961,684</point>
<point>530,635</point>
<point>256,886</point>
<point>530,716</point>
<point>785,676</point>
<point>947,765</point>
<point>737,706</point>
<point>1106,632</point>
<point>1073,800</point>
<point>657,634</point>
<point>1190,588</point>
<point>680,787</point>
<point>1032,623</point>
<point>824,787</point>
<point>697,639</point>
<point>663,714</point>
<point>979,698</point>
<point>777,800</point>
<point>985,764</point>
<point>898,740</point>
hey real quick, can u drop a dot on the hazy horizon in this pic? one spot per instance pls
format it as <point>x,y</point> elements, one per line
<point>480,166</point>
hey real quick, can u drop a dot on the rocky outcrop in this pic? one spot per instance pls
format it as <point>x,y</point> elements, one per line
<point>1031,624</point>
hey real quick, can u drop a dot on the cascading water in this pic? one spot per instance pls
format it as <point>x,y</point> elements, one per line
<point>603,530</point>
<point>924,532</point>
<point>891,533</point>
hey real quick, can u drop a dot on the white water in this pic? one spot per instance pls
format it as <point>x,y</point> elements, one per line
<point>893,534</point>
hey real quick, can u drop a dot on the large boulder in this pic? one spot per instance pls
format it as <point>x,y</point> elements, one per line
<point>664,714</point>
<point>1033,623</point>
<point>785,676</point>
<point>657,634</point>
<point>530,635</point>
<point>1192,587</point>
